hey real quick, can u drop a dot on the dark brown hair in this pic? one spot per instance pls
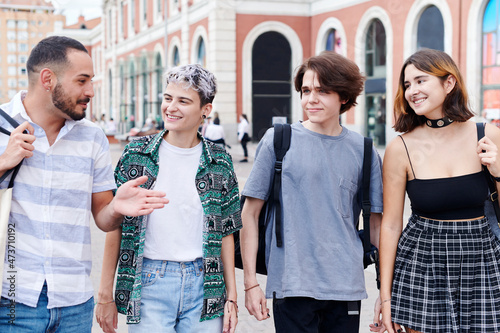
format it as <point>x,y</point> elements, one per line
<point>441,65</point>
<point>335,73</point>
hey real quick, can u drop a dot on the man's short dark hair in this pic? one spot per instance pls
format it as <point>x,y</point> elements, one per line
<point>52,52</point>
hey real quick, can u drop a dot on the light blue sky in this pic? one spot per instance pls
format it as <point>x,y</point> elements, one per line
<point>73,8</point>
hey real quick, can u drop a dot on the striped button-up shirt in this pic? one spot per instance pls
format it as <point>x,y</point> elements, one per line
<point>51,211</point>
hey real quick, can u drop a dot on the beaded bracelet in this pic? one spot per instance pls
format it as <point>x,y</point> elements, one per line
<point>252,287</point>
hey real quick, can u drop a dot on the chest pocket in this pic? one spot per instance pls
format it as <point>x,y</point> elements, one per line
<point>344,200</point>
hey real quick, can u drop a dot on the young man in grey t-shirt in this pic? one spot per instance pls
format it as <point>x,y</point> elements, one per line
<point>316,278</point>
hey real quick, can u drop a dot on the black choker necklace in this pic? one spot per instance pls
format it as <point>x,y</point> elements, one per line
<point>438,123</point>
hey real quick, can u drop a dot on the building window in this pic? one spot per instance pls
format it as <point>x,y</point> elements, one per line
<point>375,50</point>
<point>176,60</point>
<point>430,32</point>
<point>159,85</point>
<point>11,59</point>
<point>145,92</point>
<point>22,35</point>
<point>375,85</point>
<point>110,95</point>
<point>12,70</point>
<point>11,24</point>
<point>110,27</point>
<point>132,15</point>
<point>491,62</point>
<point>120,17</point>
<point>23,59</point>
<point>145,11</point>
<point>22,24</point>
<point>23,47</point>
<point>11,35</point>
<point>201,57</point>
<point>11,47</point>
<point>12,83</point>
<point>330,40</point>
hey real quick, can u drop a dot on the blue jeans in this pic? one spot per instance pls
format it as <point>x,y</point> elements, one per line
<point>172,298</point>
<point>20,318</point>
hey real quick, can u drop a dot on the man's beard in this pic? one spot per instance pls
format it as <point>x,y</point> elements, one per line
<point>64,103</point>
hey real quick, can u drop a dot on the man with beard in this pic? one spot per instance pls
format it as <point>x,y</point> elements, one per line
<point>66,177</point>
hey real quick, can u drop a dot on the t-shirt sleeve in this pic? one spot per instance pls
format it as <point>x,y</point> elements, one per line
<point>376,183</point>
<point>259,182</point>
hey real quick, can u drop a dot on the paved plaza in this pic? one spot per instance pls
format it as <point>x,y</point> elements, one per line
<point>247,324</point>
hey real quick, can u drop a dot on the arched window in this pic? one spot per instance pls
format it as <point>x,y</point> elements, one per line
<point>330,40</point>
<point>176,59</point>
<point>110,96</point>
<point>123,104</point>
<point>491,62</point>
<point>132,94</point>
<point>145,92</point>
<point>430,32</point>
<point>375,50</point>
<point>159,85</point>
<point>201,54</point>
<point>375,85</point>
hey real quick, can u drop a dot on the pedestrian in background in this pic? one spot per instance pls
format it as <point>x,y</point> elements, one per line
<point>244,136</point>
<point>215,133</point>
<point>66,179</point>
<point>182,255</point>
<point>316,278</point>
<point>441,273</point>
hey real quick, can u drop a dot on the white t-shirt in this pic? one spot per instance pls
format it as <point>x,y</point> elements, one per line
<point>175,232</point>
<point>214,132</point>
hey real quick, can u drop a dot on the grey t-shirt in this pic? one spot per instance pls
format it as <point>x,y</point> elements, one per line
<point>322,255</point>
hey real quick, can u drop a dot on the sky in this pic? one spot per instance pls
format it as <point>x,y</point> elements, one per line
<point>73,8</point>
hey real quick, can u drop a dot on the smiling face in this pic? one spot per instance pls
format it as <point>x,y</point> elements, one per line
<point>74,87</point>
<point>425,93</point>
<point>181,109</point>
<point>321,106</point>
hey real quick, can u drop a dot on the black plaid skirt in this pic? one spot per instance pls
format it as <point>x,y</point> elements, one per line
<point>447,277</point>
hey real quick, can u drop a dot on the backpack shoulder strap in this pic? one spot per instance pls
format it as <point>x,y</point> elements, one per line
<point>480,131</point>
<point>14,170</point>
<point>491,184</point>
<point>282,139</point>
<point>367,159</point>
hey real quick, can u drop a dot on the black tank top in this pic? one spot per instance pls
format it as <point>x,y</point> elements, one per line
<point>453,198</point>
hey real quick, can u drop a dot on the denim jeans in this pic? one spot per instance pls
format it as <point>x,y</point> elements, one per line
<point>20,318</point>
<point>172,298</point>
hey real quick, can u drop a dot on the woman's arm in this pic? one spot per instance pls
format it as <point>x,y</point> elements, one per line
<point>231,307</point>
<point>394,181</point>
<point>106,313</point>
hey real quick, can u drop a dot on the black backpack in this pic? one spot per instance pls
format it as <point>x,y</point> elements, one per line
<point>282,139</point>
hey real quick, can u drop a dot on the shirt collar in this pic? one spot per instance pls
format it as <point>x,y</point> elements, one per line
<point>207,155</point>
<point>18,112</point>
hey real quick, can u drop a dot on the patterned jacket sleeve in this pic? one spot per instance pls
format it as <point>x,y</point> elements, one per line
<point>231,209</point>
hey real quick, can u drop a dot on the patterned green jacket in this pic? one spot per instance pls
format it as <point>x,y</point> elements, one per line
<point>218,190</point>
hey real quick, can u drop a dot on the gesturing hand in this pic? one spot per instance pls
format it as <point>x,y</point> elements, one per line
<point>132,200</point>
